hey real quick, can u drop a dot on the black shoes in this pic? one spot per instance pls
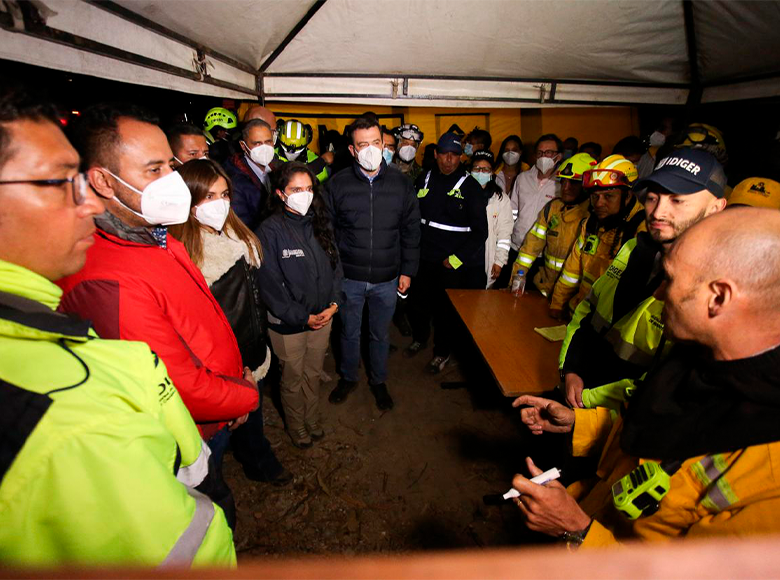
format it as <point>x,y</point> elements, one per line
<point>342,390</point>
<point>414,349</point>
<point>384,401</point>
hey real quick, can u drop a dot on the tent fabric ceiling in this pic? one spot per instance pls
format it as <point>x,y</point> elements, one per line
<point>425,52</point>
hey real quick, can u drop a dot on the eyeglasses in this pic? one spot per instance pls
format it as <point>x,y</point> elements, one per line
<point>604,178</point>
<point>547,153</point>
<point>482,170</point>
<point>309,189</point>
<point>78,185</point>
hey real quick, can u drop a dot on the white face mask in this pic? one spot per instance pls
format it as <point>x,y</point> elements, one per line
<point>657,139</point>
<point>511,157</point>
<point>370,158</point>
<point>164,202</point>
<point>262,155</point>
<point>300,201</point>
<point>407,153</point>
<point>213,213</point>
<point>545,164</point>
<point>293,155</point>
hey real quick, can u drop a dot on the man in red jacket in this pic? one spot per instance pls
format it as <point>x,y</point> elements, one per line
<point>140,284</point>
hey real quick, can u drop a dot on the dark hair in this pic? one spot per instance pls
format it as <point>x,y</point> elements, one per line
<point>591,145</point>
<point>251,124</point>
<point>484,155</point>
<point>96,132</point>
<point>386,131</point>
<point>320,220</point>
<point>629,146</point>
<point>365,121</point>
<point>200,175</point>
<point>480,135</point>
<point>549,137</point>
<point>502,149</point>
<point>18,104</point>
<point>571,140</point>
<point>176,132</point>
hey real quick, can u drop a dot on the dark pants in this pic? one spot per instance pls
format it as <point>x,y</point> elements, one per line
<point>428,301</point>
<point>503,278</point>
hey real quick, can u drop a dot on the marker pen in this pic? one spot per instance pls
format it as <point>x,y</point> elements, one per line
<point>546,477</point>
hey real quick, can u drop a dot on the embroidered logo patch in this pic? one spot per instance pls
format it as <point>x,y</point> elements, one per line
<point>297,253</point>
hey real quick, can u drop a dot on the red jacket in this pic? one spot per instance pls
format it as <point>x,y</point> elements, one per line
<point>133,289</point>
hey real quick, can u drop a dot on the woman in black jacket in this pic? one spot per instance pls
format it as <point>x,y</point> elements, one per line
<point>300,282</point>
<point>228,254</point>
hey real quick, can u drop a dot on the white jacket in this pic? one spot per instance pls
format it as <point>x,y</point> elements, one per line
<point>529,196</point>
<point>500,224</point>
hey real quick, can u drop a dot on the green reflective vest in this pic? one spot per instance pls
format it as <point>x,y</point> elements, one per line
<point>313,162</point>
<point>634,338</point>
<point>106,452</point>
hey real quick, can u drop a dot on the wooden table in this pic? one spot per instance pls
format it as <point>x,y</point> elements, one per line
<point>502,326</point>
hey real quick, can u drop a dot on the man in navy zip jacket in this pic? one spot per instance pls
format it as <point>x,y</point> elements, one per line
<point>376,221</point>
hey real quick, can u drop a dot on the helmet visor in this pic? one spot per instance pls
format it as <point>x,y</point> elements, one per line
<point>604,178</point>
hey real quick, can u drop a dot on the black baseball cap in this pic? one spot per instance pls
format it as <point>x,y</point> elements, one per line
<point>449,143</point>
<point>686,171</point>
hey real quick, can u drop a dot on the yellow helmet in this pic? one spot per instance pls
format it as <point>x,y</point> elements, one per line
<point>707,138</point>
<point>756,192</point>
<point>575,166</point>
<point>294,135</point>
<point>613,171</point>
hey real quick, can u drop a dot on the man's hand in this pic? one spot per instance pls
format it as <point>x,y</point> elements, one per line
<point>315,321</point>
<point>403,283</point>
<point>328,157</point>
<point>495,271</point>
<point>548,508</point>
<point>574,387</point>
<point>545,415</point>
<point>447,264</point>
<point>248,376</point>
<point>235,424</point>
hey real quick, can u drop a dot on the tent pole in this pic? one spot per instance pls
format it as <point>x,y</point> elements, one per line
<point>291,36</point>
<point>695,92</point>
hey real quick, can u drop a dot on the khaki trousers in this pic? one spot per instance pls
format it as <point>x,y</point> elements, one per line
<point>302,355</point>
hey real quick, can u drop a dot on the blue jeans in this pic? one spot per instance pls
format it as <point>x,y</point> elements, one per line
<point>381,299</point>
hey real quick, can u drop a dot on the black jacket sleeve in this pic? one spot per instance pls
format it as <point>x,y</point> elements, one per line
<point>473,243</point>
<point>410,232</point>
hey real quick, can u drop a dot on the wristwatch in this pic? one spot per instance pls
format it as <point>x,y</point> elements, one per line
<point>574,539</point>
<point>334,304</point>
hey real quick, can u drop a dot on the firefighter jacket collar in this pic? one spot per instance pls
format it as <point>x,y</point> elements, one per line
<point>692,405</point>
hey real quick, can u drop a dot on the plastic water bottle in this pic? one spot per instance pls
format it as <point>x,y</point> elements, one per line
<point>518,284</point>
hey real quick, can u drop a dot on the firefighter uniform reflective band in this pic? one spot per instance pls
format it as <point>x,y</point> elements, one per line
<point>439,226</point>
<point>710,472</point>
<point>188,544</point>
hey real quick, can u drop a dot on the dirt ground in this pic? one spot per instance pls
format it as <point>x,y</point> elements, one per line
<point>403,480</point>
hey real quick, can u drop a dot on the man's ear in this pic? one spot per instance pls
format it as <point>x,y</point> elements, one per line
<point>720,297</point>
<point>100,183</point>
<point>352,150</point>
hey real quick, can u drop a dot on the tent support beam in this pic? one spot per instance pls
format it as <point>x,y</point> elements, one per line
<point>34,25</point>
<point>291,36</point>
<point>117,10</point>
<point>695,92</point>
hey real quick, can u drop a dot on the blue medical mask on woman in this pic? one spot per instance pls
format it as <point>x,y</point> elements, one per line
<point>482,178</point>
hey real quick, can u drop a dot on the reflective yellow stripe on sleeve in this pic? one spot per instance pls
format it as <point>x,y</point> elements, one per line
<point>539,231</point>
<point>553,263</point>
<point>569,279</point>
<point>525,259</point>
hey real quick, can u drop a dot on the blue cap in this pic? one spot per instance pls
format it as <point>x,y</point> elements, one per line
<point>686,171</point>
<point>449,143</point>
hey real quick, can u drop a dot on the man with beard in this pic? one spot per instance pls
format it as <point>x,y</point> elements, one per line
<point>616,330</point>
<point>701,429</point>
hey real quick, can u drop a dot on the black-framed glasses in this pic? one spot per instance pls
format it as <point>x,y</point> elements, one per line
<point>546,153</point>
<point>78,185</point>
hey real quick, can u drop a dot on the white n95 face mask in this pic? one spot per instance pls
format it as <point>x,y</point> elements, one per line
<point>511,157</point>
<point>262,155</point>
<point>407,153</point>
<point>545,164</point>
<point>164,202</point>
<point>300,201</point>
<point>370,158</point>
<point>213,213</point>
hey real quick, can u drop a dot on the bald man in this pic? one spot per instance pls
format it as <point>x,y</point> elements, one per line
<point>260,112</point>
<point>706,415</point>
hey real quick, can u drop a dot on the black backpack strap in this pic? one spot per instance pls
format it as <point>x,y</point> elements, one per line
<point>20,412</point>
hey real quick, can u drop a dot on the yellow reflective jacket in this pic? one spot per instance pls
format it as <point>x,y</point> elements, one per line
<point>590,256</point>
<point>723,494</point>
<point>553,234</point>
<point>106,452</point>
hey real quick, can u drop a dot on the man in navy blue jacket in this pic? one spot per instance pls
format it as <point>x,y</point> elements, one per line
<point>377,226</point>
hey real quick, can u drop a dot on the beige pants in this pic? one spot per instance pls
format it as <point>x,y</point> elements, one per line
<point>302,356</point>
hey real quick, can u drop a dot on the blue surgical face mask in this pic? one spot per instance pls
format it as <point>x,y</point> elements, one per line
<point>482,178</point>
<point>468,150</point>
<point>387,155</point>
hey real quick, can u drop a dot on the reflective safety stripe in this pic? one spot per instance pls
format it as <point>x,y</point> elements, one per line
<point>504,245</point>
<point>525,259</point>
<point>710,472</point>
<point>627,351</point>
<point>588,277</point>
<point>427,177</point>
<point>439,226</point>
<point>598,322</point>
<point>514,213</point>
<point>192,475</point>
<point>568,279</point>
<point>539,231</point>
<point>553,263</point>
<point>580,243</point>
<point>188,544</point>
<point>457,185</point>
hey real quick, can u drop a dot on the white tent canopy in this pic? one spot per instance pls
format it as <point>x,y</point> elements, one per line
<point>412,52</point>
